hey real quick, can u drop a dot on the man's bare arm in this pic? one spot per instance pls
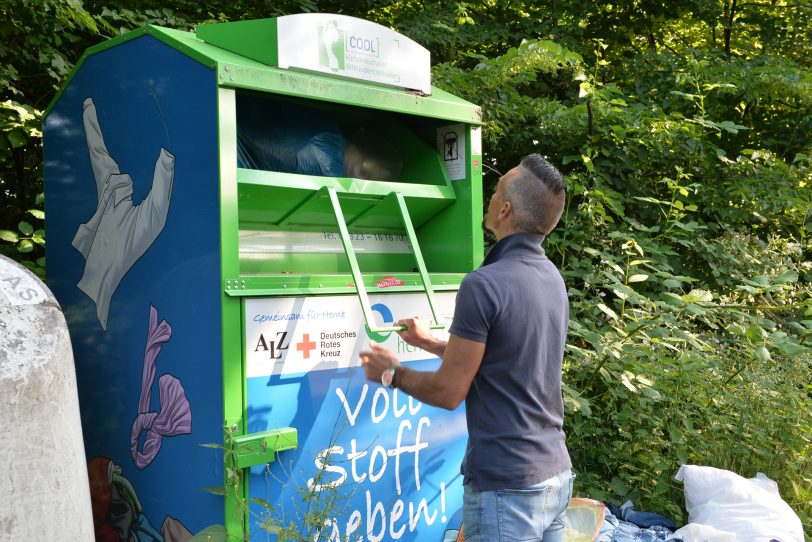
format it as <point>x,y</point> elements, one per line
<point>446,387</point>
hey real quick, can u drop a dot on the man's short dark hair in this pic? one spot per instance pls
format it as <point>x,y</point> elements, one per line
<point>537,195</point>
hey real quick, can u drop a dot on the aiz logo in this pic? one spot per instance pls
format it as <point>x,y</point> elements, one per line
<point>276,346</point>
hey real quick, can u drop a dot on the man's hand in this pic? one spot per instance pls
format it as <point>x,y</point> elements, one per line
<point>417,332</point>
<point>376,360</point>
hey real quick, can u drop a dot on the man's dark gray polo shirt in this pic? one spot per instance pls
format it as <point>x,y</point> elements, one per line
<point>516,303</point>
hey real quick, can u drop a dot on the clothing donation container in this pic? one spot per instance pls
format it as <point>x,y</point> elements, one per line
<point>271,196</point>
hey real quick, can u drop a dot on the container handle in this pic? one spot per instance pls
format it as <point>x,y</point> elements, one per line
<point>360,289</point>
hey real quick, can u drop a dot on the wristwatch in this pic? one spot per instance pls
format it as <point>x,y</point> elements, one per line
<point>388,376</point>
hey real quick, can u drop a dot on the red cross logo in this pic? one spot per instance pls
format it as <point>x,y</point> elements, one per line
<point>305,346</point>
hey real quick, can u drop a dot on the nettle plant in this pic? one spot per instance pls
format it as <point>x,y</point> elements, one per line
<point>306,515</point>
<point>660,370</point>
<point>685,245</point>
<point>690,342</point>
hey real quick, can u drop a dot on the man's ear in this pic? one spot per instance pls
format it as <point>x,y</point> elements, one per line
<point>506,209</point>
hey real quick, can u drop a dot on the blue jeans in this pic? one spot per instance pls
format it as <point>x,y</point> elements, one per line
<point>534,514</point>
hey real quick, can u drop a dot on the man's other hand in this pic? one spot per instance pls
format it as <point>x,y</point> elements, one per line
<point>376,360</point>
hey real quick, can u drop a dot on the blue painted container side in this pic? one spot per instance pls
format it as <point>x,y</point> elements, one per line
<point>145,324</point>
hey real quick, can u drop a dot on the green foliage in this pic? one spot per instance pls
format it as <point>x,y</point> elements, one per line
<point>20,182</point>
<point>501,86</point>
<point>684,129</point>
<point>36,51</point>
<point>685,246</point>
<point>657,377</point>
<point>26,244</point>
<point>39,42</point>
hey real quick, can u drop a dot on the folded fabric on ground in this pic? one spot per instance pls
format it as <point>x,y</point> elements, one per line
<point>617,530</point>
<point>627,512</point>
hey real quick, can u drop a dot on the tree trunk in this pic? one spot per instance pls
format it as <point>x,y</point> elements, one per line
<point>730,14</point>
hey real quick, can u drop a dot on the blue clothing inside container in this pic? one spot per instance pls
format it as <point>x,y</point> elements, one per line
<point>288,138</point>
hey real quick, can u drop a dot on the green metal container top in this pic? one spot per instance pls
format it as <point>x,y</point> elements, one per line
<point>244,55</point>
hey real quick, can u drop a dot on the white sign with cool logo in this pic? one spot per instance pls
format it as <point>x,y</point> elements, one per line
<point>350,47</point>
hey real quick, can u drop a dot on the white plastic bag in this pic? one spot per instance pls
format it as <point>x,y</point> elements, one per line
<point>696,532</point>
<point>749,507</point>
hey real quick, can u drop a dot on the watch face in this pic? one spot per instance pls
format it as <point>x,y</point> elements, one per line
<point>386,377</point>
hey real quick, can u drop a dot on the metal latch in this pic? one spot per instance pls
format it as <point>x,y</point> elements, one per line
<point>261,448</point>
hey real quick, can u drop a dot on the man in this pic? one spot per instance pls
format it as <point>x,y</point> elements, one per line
<point>504,358</point>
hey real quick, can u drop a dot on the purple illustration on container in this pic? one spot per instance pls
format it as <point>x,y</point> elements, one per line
<point>175,416</point>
